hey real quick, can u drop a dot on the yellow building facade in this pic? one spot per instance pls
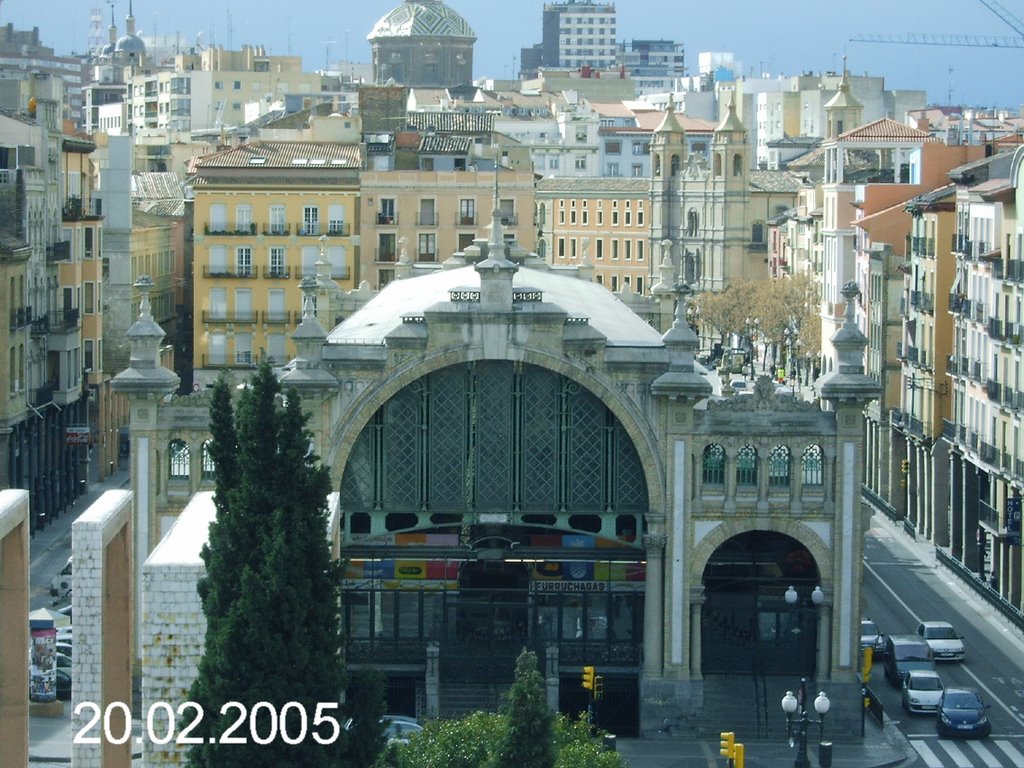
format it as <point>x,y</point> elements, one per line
<point>265,214</point>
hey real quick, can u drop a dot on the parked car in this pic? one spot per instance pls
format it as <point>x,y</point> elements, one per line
<point>870,637</point>
<point>962,713</point>
<point>904,653</point>
<point>60,585</point>
<point>63,660</point>
<point>398,728</point>
<point>63,684</point>
<point>945,642</point>
<point>922,689</point>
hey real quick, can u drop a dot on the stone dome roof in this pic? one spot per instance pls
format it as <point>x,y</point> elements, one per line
<point>130,44</point>
<point>422,18</point>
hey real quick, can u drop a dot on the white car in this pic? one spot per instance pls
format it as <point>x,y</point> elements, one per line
<point>922,689</point>
<point>944,641</point>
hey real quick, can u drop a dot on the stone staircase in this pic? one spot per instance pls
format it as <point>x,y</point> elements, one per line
<point>748,706</point>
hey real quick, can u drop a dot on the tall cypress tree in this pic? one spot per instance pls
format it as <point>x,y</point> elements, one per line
<point>530,737</point>
<point>271,589</point>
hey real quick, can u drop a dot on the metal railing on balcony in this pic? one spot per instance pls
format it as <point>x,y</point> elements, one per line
<point>995,328</point>
<point>245,273</point>
<point>979,311</point>
<point>230,230</point>
<point>242,316</point>
<point>994,390</point>
<point>384,255</point>
<point>59,251</point>
<point>282,317</point>
<point>957,303</point>
<point>339,229</point>
<point>927,302</point>
<point>43,395</point>
<point>21,317</point>
<point>277,273</point>
<point>952,365</point>
<point>959,243</point>
<point>215,316</point>
<point>387,219</point>
<point>911,354</point>
<point>976,370</point>
<point>972,440</point>
<point>1006,460</point>
<point>215,361</point>
<point>899,350</point>
<point>509,220</point>
<point>1014,271</point>
<point>426,256</point>
<point>949,430</point>
<point>463,220</point>
<point>308,230</point>
<point>277,230</point>
<point>914,425</point>
<point>987,514</point>
<point>997,268</point>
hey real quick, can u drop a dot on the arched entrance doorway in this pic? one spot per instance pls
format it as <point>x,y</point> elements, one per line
<point>747,626</point>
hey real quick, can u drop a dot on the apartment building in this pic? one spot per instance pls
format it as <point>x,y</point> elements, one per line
<point>575,34</point>
<point>22,51</point>
<point>424,216</point>
<point>265,214</point>
<point>601,224</point>
<point>210,89</point>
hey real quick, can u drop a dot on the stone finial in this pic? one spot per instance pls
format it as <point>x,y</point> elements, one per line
<point>496,271</point>
<point>309,336</point>
<point>682,379</point>
<point>403,267</point>
<point>666,271</point>
<point>144,372</point>
<point>848,382</point>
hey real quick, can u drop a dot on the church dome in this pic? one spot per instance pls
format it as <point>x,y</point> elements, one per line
<point>130,44</point>
<point>422,18</point>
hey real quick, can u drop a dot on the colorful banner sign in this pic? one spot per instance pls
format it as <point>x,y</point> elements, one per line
<point>42,675</point>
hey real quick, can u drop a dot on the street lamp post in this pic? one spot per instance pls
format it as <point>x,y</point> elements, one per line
<point>797,721</point>
<point>817,597</point>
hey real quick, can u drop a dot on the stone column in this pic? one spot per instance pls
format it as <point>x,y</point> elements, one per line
<point>823,663</point>
<point>654,605</point>
<point>696,626</point>
<point>551,678</point>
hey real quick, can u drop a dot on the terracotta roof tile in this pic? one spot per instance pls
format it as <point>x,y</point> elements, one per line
<point>285,154</point>
<point>886,129</point>
<point>452,122</point>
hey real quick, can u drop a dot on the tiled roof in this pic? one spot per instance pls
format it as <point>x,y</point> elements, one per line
<point>285,154</point>
<point>886,129</point>
<point>651,120</point>
<point>446,145</point>
<point>584,186</point>
<point>776,181</point>
<point>171,208</point>
<point>451,122</point>
<point>156,186</point>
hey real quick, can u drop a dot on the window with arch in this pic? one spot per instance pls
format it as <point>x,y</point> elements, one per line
<point>779,460</point>
<point>813,463</point>
<point>718,164</point>
<point>692,223</point>
<point>737,165</point>
<point>746,466</point>
<point>178,454</point>
<point>209,468</point>
<point>657,166</point>
<point>675,165</point>
<point>713,465</point>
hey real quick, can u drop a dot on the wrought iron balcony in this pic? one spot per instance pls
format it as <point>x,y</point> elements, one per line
<point>277,230</point>
<point>987,514</point>
<point>43,395</point>
<point>387,219</point>
<point>338,229</point>
<point>283,317</point>
<point>949,430</point>
<point>277,273</point>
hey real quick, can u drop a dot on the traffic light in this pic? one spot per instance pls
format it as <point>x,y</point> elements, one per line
<point>905,466</point>
<point>727,745</point>
<point>598,687</point>
<point>589,678</point>
<point>865,667</point>
<point>737,756</point>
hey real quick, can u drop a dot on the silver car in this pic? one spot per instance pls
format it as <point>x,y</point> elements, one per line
<point>945,642</point>
<point>922,690</point>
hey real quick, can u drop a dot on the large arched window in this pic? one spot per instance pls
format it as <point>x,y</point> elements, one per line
<point>746,466</point>
<point>675,165</point>
<point>209,469</point>
<point>179,456</point>
<point>692,223</point>
<point>713,466</point>
<point>779,460</point>
<point>813,465</point>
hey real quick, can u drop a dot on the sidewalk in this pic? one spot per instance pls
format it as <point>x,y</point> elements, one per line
<point>882,747</point>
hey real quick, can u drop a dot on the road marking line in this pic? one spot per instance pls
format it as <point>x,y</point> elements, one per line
<point>926,754</point>
<point>1011,751</point>
<point>915,617</point>
<point>990,760</point>
<point>961,760</point>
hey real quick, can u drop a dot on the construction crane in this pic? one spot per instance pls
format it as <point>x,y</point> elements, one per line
<point>978,41</point>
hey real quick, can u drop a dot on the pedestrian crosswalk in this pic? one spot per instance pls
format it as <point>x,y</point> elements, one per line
<point>986,753</point>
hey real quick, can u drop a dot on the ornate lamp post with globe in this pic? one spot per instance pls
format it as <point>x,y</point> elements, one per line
<point>798,720</point>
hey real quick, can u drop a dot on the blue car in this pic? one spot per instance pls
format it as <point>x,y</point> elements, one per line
<point>962,713</point>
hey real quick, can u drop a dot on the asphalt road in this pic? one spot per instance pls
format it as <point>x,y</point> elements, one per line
<point>903,586</point>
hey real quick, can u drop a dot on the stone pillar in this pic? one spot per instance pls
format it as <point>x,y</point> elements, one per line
<point>956,503</point>
<point>551,680</point>
<point>969,518</point>
<point>696,626</point>
<point>654,613</point>
<point>433,680</point>
<point>823,661</point>
<point>14,634</point>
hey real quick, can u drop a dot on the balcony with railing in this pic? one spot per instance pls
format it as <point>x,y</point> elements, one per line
<point>949,430</point>
<point>215,316</point>
<point>43,395</point>
<point>959,304</point>
<point>988,515</point>
<point>215,361</point>
<point>1014,271</point>
<point>465,220</point>
<point>996,329</point>
<point>960,244</point>
<point>277,273</point>
<point>386,254</point>
<point>509,220</point>
<point>280,317</point>
<point>911,354</point>
<point>277,230</point>
<point>979,311</point>
<point>338,229</point>
<point>1006,461</point>
<point>224,271</point>
<point>21,317</point>
<point>387,219</point>
<point>994,390</point>
<point>426,256</point>
<point>222,317</point>
<point>227,230</point>
<point>308,230</point>
<point>952,365</point>
<point>976,370</point>
<point>59,251</point>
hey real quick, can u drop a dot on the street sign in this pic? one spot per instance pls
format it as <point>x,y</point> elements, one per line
<point>1013,507</point>
<point>77,436</point>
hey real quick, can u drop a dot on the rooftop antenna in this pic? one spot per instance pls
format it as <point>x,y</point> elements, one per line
<point>231,29</point>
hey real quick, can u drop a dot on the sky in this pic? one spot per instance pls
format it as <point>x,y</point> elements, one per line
<point>784,37</point>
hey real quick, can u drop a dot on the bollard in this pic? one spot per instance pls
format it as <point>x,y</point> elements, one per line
<point>825,754</point>
<point>609,743</point>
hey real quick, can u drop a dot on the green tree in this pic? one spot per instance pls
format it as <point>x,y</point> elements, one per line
<point>366,737</point>
<point>271,589</point>
<point>529,739</point>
